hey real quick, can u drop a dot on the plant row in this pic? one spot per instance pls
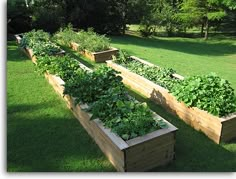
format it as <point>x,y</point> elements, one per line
<point>87,40</point>
<point>103,91</point>
<point>206,92</point>
<point>39,42</point>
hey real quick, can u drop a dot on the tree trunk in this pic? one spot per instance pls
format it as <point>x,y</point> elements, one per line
<point>124,27</point>
<point>202,29</point>
<point>207,29</point>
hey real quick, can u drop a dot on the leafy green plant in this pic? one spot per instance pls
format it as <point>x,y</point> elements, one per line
<point>89,40</point>
<point>64,66</point>
<point>161,76</point>
<point>89,87</point>
<point>105,94</point>
<point>112,104</point>
<point>65,35</point>
<point>30,38</point>
<point>207,92</point>
<point>122,57</point>
<point>125,116</point>
<point>42,48</point>
<point>39,42</point>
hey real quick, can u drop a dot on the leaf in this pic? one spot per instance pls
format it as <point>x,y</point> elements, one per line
<point>125,136</point>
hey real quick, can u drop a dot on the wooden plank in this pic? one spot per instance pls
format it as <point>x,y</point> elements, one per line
<point>151,153</point>
<point>116,157</point>
<point>154,152</point>
<point>18,38</point>
<point>229,128</point>
<point>96,56</point>
<point>116,139</point>
<point>138,147</point>
<point>101,56</point>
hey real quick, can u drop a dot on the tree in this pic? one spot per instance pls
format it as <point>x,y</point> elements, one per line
<point>160,13</point>
<point>18,16</point>
<point>202,12</point>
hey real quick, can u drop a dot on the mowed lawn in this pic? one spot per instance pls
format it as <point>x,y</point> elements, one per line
<point>43,135</point>
<point>186,56</point>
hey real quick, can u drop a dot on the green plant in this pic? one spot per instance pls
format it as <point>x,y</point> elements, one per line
<point>89,87</point>
<point>122,57</point>
<point>39,42</point>
<point>64,66</point>
<point>125,116</point>
<point>92,42</point>
<point>207,92</point>
<point>30,38</point>
<point>108,100</point>
<point>161,76</point>
<point>41,48</point>
<point>65,35</point>
<point>105,95</point>
<point>89,40</point>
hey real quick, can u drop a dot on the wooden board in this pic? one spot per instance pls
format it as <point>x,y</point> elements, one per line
<point>214,127</point>
<point>96,56</point>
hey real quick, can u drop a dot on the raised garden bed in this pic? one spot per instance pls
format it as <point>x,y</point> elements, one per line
<point>29,52</point>
<point>216,128</point>
<point>138,154</point>
<point>96,56</point>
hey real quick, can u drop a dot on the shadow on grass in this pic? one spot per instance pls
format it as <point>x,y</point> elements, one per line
<point>189,46</point>
<point>14,53</point>
<point>195,152</point>
<point>46,143</point>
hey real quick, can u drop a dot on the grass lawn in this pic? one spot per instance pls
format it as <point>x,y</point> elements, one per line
<point>187,56</point>
<point>44,136</point>
<point>42,133</point>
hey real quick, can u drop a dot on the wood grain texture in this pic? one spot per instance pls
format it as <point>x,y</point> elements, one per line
<point>97,57</point>
<point>217,129</point>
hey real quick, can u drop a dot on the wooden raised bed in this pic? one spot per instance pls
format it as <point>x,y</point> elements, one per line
<point>218,129</point>
<point>29,52</point>
<point>96,56</point>
<point>139,154</point>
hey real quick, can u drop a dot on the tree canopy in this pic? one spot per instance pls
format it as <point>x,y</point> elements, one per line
<point>112,16</point>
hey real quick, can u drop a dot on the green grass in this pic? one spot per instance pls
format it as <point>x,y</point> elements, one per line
<point>186,56</point>
<point>42,134</point>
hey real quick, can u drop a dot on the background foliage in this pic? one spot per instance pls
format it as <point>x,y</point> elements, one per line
<point>111,16</point>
